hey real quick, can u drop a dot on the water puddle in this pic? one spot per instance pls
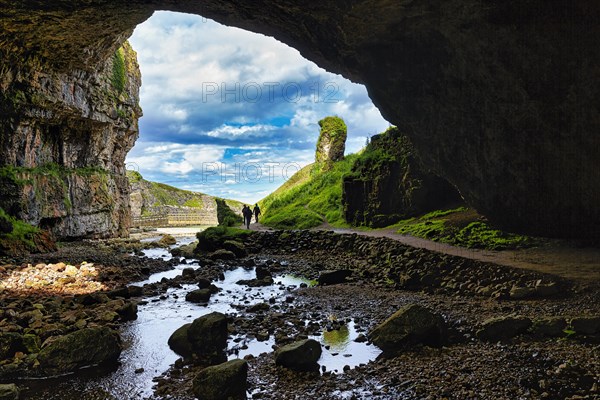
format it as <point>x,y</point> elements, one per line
<point>146,354</point>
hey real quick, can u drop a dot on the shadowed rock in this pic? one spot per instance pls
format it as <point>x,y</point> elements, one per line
<point>225,381</point>
<point>299,356</point>
<point>82,348</point>
<point>413,324</point>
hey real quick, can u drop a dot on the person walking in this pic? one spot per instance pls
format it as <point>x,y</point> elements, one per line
<point>256,212</point>
<point>247,213</point>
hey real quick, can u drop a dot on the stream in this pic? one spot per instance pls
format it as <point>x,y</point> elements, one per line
<point>146,354</point>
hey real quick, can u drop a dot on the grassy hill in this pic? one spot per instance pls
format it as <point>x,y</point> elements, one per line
<point>153,198</point>
<point>309,198</point>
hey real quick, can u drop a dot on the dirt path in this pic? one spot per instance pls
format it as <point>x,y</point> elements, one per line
<point>581,264</point>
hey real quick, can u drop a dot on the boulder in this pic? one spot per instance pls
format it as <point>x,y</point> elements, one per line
<point>167,240</point>
<point>198,296</point>
<point>179,342</point>
<point>503,328</point>
<point>262,272</point>
<point>521,292</point>
<point>299,356</point>
<point>334,277</point>
<point>10,343</point>
<point>186,251</point>
<point>9,392</point>
<point>225,381</point>
<point>222,254</point>
<point>586,325</point>
<point>128,311</point>
<point>410,325</point>
<point>235,247</point>
<point>85,347</point>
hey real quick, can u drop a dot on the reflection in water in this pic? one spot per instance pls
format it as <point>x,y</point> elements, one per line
<point>147,355</point>
<point>337,339</point>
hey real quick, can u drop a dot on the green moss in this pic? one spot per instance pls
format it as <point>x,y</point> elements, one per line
<point>213,238</point>
<point>165,195</point>
<point>134,177</point>
<point>195,202</point>
<point>454,226</point>
<point>21,231</point>
<point>119,75</point>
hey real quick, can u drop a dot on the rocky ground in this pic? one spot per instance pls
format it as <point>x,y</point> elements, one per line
<point>555,355</point>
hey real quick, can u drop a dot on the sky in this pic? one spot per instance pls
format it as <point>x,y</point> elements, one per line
<point>232,113</point>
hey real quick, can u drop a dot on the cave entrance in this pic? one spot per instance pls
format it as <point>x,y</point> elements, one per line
<point>233,113</point>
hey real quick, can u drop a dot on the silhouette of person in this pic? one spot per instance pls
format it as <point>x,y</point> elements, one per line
<point>256,212</point>
<point>247,213</point>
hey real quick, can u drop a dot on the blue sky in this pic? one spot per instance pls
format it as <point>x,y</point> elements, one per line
<point>233,113</point>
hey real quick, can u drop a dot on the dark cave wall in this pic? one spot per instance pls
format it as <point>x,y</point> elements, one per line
<point>499,98</point>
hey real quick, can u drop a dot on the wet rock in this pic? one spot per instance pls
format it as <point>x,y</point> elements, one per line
<point>503,328</point>
<point>31,343</point>
<point>586,325</point>
<point>186,251</point>
<point>9,392</point>
<point>235,247</point>
<point>120,292</point>
<point>78,349</point>
<point>128,311</point>
<point>166,241</point>
<point>258,307</point>
<point>222,254</point>
<point>408,326</point>
<point>267,281</point>
<point>198,296</point>
<point>135,291</point>
<point>225,381</point>
<point>334,277</point>
<point>262,272</point>
<point>299,356</point>
<point>179,342</point>
<point>204,283</point>
<point>208,336</point>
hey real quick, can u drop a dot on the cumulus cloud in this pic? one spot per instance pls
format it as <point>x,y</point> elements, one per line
<point>216,97</point>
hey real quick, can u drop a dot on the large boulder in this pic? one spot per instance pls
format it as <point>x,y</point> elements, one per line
<point>299,356</point>
<point>413,324</point>
<point>82,348</point>
<point>205,337</point>
<point>333,277</point>
<point>198,296</point>
<point>586,325</point>
<point>179,342</point>
<point>225,381</point>
<point>503,328</point>
<point>9,392</point>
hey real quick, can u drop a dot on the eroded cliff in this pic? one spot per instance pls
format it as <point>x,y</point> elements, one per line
<point>499,98</point>
<point>63,141</point>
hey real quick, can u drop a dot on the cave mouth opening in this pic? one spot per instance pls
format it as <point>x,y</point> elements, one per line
<point>233,113</point>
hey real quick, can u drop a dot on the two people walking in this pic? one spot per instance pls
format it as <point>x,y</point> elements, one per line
<point>247,213</point>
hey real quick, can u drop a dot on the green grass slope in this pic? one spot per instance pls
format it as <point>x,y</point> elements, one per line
<point>309,198</point>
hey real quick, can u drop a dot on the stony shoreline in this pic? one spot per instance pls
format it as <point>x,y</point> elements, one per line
<point>384,276</point>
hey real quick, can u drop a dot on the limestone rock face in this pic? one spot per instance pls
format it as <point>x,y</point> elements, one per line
<point>63,141</point>
<point>498,98</point>
<point>389,184</point>
<point>332,140</point>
